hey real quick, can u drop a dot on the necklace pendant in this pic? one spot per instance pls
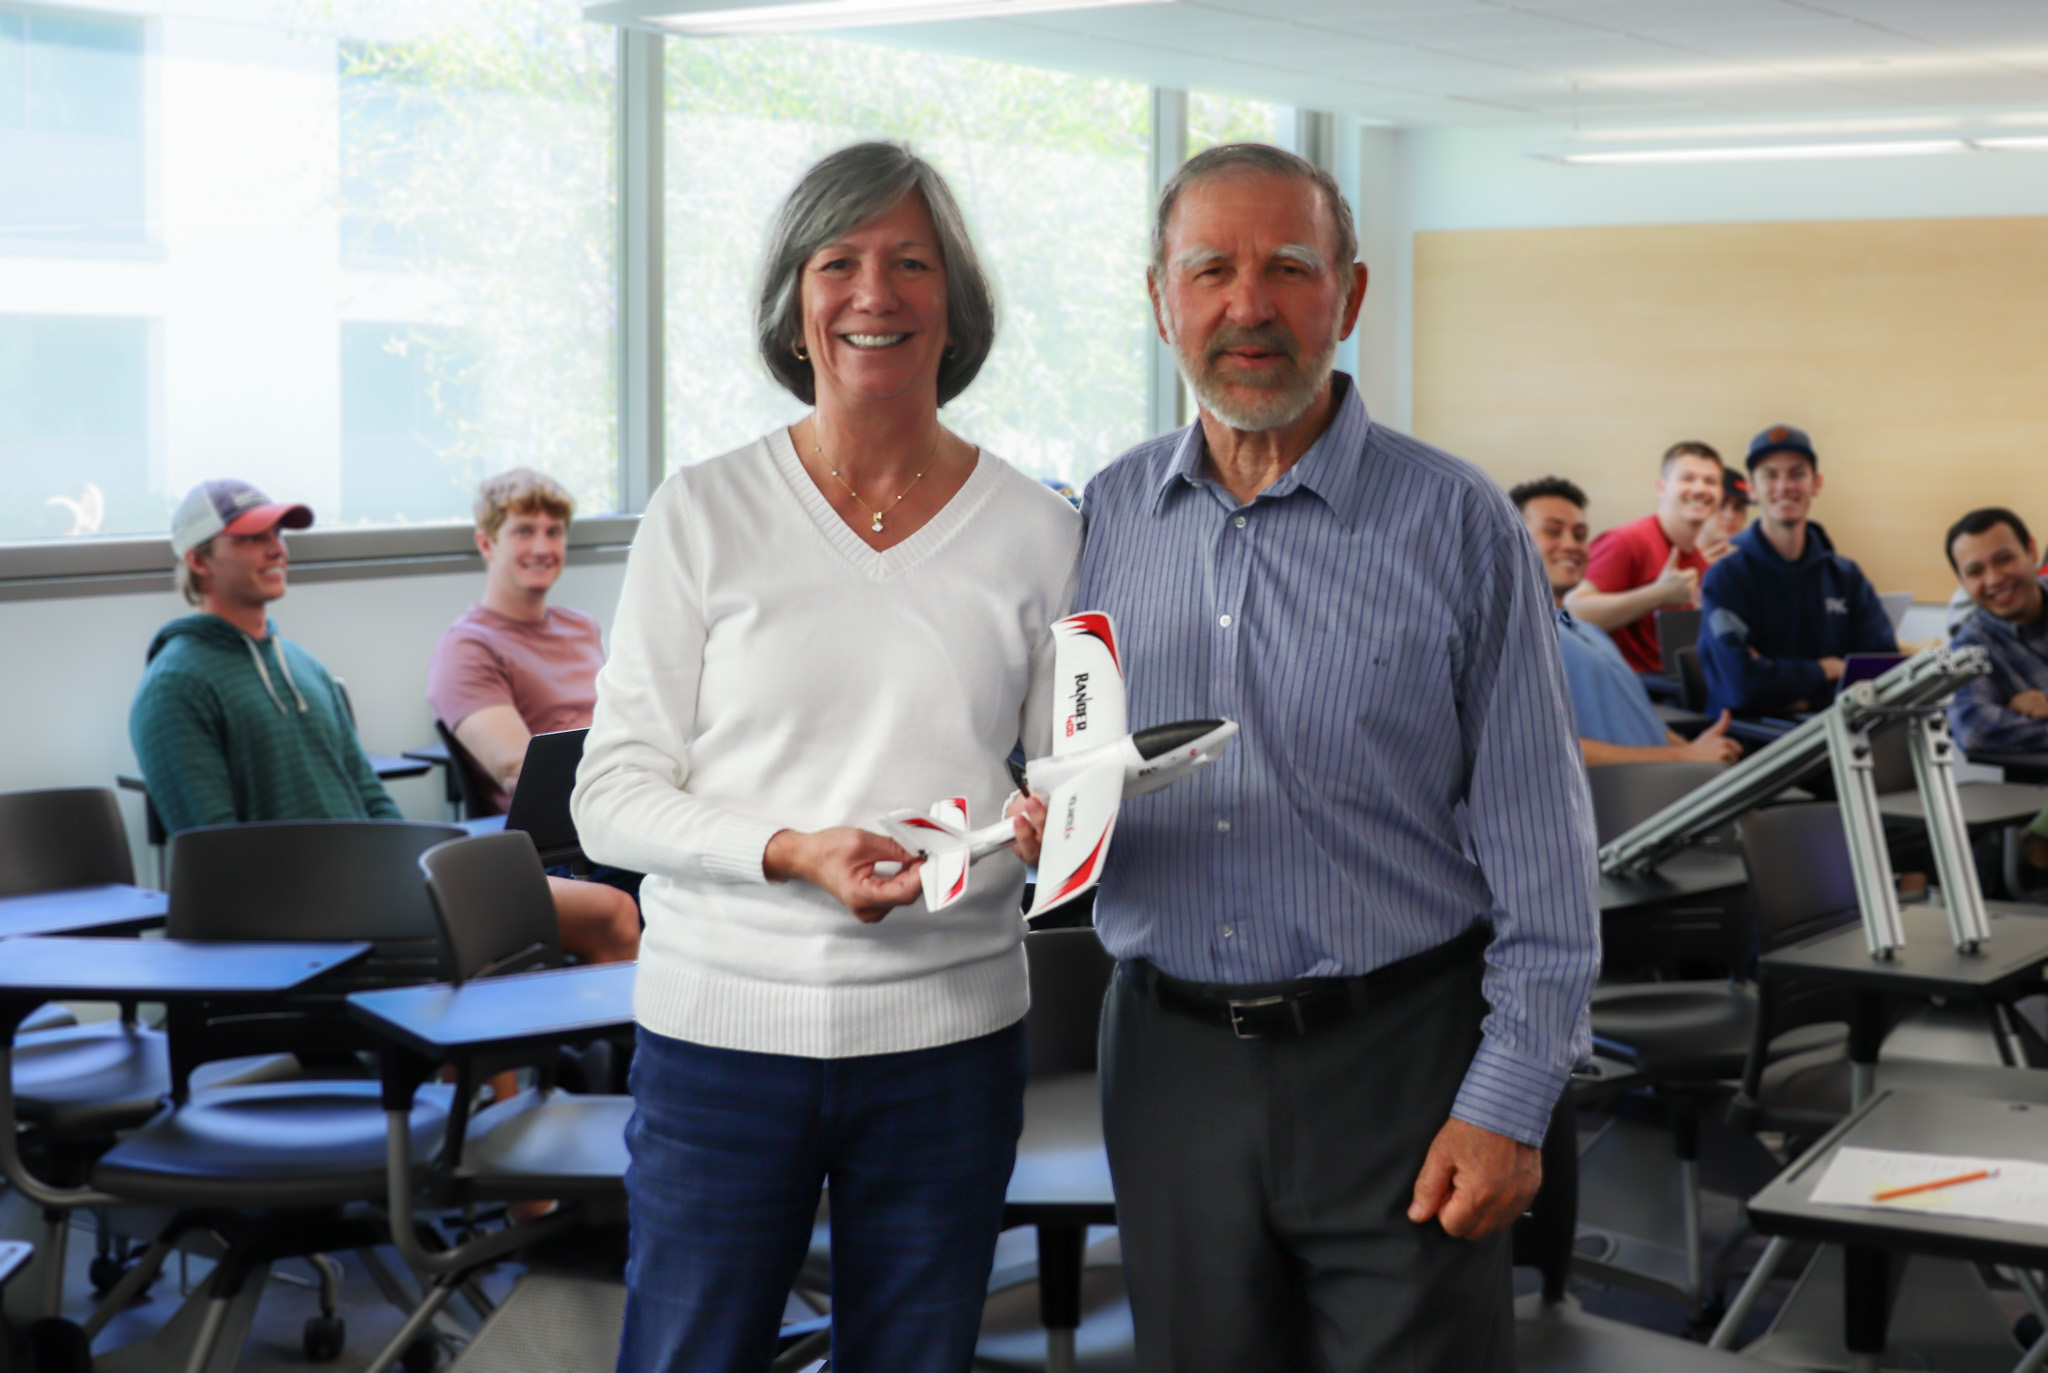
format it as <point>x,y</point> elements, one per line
<point>877,525</point>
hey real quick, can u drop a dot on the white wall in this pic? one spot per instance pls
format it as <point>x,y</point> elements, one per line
<point>71,666</point>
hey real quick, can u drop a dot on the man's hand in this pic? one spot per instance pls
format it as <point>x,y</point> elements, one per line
<point>1833,668</point>
<point>1713,744</point>
<point>1026,814</point>
<point>842,862</point>
<point>1475,1182</point>
<point>2032,704</point>
<point>1677,585</point>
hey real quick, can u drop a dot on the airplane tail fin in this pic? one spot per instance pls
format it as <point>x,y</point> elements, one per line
<point>941,836</point>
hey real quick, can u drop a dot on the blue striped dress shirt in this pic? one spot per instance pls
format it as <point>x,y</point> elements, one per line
<point>1377,623</point>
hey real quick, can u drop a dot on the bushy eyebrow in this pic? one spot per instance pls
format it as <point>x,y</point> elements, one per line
<point>1194,259</point>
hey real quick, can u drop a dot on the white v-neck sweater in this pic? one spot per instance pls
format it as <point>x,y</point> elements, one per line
<point>770,671</point>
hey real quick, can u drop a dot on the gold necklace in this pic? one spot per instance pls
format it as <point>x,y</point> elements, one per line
<point>875,515</point>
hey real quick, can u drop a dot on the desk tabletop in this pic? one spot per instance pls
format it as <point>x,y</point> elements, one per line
<point>1919,1123</point>
<point>1062,1171</point>
<point>111,909</point>
<point>497,1014</point>
<point>163,969</point>
<point>391,767</point>
<point>2019,767</point>
<point>1685,875</point>
<point>1983,803</point>
<point>1929,964</point>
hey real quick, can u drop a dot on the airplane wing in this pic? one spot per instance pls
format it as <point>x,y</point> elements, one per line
<point>1088,700</point>
<point>1080,816</point>
<point>945,878</point>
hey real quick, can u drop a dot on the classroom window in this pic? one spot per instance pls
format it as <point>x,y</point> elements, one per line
<point>382,267</point>
<point>1216,119</point>
<point>1050,170</point>
<point>73,173</point>
<point>74,427</point>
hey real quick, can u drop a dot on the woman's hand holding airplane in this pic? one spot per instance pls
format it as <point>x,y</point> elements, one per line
<point>842,862</point>
<point>1027,813</point>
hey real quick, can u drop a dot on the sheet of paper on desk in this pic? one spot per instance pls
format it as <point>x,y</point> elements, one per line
<point>2018,1194</point>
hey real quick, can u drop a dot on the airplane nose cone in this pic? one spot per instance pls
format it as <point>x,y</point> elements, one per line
<point>1163,739</point>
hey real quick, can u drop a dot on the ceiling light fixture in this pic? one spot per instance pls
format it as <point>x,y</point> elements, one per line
<point>1765,152</point>
<point>2003,144</point>
<point>721,17</point>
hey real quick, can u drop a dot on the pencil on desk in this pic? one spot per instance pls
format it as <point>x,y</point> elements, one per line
<point>1894,1193</point>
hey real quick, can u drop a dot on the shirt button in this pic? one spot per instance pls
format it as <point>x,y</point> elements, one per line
<point>1223,827</point>
<point>1223,620</point>
<point>1229,930</point>
<point>1239,522</point>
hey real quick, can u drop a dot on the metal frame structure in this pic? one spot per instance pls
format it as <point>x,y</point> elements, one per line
<point>1911,694</point>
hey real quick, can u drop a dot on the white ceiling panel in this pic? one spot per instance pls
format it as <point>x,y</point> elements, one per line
<point>1495,61</point>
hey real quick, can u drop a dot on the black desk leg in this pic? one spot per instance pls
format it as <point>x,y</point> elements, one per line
<point>1061,1250</point>
<point>1866,1037</point>
<point>1866,1302</point>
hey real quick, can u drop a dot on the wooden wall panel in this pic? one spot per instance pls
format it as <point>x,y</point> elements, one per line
<point>1914,351</point>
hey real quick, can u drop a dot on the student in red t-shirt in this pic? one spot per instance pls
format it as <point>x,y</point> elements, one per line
<point>1654,563</point>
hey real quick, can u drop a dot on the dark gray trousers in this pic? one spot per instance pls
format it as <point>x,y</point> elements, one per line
<point>1262,1190</point>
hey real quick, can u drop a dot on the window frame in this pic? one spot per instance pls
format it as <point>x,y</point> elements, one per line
<point>57,568</point>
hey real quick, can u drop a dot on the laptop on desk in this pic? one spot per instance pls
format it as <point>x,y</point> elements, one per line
<point>540,803</point>
<point>1867,667</point>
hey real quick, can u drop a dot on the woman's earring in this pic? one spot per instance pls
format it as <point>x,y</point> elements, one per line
<point>801,355</point>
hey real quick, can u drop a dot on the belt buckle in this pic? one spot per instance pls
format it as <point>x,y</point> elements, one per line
<point>1236,1008</point>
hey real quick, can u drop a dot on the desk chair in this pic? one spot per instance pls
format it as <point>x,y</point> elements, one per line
<point>1692,678</point>
<point>277,1169</point>
<point>466,778</point>
<point>1061,1182</point>
<point>497,919</point>
<point>1684,1040</point>
<point>75,1085</point>
<point>1677,630</point>
<point>1553,1334</point>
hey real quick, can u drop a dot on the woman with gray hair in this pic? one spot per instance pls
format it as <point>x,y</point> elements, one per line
<point>844,618</point>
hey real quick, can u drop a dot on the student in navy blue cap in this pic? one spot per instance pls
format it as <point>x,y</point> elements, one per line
<point>1783,610</point>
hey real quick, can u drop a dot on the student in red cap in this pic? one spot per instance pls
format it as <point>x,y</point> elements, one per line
<point>233,722</point>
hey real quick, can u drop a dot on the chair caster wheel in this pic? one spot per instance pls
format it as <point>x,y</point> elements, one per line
<point>59,1346</point>
<point>326,1337</point>
<point>105,1273</point>
<point>423,1355</point>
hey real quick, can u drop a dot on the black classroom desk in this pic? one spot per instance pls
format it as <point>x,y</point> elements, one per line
<point>108,910</point>
<point>34,971</point>
<point>1919,1123</point>
<point>2019,767</point>
<point>2006,967</point>
<point>1688,875</point>
<point>501,1014</point>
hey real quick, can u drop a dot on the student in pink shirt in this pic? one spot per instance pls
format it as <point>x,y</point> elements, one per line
<point>514,666</point>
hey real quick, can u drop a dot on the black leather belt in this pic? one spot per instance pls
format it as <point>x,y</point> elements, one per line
<point>1289,1010</point>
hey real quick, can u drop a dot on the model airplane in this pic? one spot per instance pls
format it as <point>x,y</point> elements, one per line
<point>1094,764</point>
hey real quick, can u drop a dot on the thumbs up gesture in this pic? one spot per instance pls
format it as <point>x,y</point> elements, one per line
<point>1677,585</point>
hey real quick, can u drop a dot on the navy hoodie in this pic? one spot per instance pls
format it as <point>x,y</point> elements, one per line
<point>1765,623</point>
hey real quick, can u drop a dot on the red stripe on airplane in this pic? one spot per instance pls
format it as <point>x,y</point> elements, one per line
<point>1083,873</point>
<point>1096,624</point>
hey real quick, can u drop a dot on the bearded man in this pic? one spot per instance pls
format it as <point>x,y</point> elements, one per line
<point>1354,955</point>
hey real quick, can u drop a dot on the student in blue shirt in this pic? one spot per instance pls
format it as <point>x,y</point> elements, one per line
<point>1612,712</point>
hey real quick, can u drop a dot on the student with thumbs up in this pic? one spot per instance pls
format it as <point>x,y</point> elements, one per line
<point>1654,563</point>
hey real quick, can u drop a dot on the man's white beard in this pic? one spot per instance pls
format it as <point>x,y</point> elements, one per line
<point>1254,410</point>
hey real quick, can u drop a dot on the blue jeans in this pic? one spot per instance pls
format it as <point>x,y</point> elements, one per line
<point>729,1150</point>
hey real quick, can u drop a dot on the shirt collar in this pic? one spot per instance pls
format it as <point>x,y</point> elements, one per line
<point>1333,468</point>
